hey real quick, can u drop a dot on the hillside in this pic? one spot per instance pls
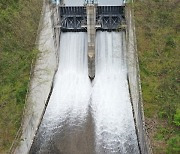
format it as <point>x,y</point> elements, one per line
<point>158,40</point>
<point>19,21</point>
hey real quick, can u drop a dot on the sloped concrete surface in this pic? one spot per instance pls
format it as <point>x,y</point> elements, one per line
<point>41,82</point>
<point>135,84</point>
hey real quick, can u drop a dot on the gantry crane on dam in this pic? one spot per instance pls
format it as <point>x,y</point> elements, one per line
<point>90,18</point>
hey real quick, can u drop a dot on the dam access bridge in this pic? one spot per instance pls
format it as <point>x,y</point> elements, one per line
<point>91,16</point>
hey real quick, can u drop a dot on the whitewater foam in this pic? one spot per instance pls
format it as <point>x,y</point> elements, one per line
<point>112,110</point>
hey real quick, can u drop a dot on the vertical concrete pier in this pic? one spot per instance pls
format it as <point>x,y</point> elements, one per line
<point>91,21</point>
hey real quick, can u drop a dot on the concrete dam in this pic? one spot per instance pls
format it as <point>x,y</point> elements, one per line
<point>94,104</point>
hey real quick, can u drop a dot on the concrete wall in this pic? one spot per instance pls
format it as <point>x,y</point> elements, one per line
<point>135,84</point>
<point>41,82</point>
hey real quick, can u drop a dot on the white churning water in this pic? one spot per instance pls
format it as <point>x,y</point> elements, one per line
<point>108,96</point>
<point>68,106</point>
<point>72,88</point>
<point>112,110</point>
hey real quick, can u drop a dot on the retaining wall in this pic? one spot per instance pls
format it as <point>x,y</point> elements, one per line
<point>41,83</point>
<point>135,84</point>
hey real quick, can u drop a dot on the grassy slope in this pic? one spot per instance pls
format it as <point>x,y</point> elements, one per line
<point>158,37</point>
<point>18,26</point>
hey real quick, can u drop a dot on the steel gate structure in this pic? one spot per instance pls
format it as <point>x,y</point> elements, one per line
<point>108,18</point>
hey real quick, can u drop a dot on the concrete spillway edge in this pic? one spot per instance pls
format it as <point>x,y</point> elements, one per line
<point>135,83</point>
<point>41,81</point>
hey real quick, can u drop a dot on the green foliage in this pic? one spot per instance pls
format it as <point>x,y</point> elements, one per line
<point>6,3</point>
<point>177,117</point>
<point>19,21</point>
<point>158,38</point>
<point>174,145</point>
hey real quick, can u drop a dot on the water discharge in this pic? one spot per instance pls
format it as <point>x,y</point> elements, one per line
<point>66,122</point>
<point>85,118</point>
<point>112,111</point>
<point>72,88</point>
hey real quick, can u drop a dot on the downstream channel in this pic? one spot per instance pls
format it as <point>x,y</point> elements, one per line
<point>84,117</point>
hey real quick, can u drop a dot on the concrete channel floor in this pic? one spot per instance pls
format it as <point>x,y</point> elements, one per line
<point>73,140</point>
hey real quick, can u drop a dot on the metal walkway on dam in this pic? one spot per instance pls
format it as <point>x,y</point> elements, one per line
<point>93,106</point>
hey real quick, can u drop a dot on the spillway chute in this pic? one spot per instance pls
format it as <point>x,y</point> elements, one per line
<point>90,18</point>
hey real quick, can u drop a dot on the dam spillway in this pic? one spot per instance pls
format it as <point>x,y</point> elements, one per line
<point>90,18</point>
<point>67,122</point>
<point>84,116</point>
<point>89,118</point>
<point>112,110</point>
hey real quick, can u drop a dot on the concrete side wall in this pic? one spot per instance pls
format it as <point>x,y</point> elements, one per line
<point>41,82</point>
<point>134,83</point>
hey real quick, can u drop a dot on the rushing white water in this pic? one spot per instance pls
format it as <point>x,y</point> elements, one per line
<point>67,126</point>
<point>68,105</point>
<point>71,93</point>
<point>112,111</point>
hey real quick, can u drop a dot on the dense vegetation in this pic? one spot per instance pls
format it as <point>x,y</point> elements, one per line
<point>18,27</point>
<point>158,38</point>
